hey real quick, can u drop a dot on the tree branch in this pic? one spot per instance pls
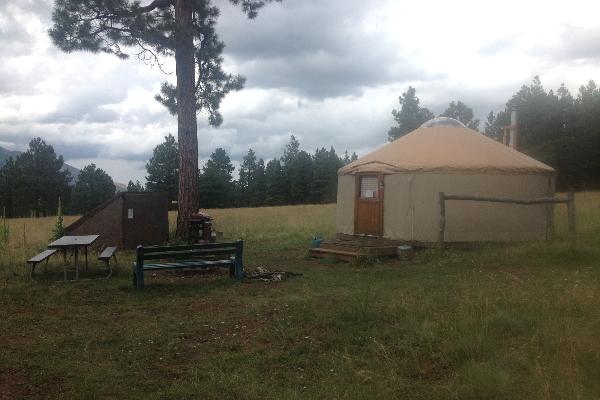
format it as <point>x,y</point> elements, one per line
<point>157,4</point>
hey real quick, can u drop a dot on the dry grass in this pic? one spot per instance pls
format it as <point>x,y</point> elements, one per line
<point>498,322</point>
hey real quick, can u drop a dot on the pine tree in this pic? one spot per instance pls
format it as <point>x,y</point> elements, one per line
<point>410,116</point>
<point>261,184</point>
<point>320,179</point>
<point>135,186</point>
<point>463,113</point>
<point>183,29</point>
<point>216,181</point>
<point>299,174</point>
<point>324,175</point>
<point>586,129</point>
<point>94,186</point>
<point>247,180</point>
<point>4,230</point>
<point>275,183</point>
<point>346,159</point>
<point>8,182</point>
<point>33,182</point>
<point>291,150</point>
<point>163,168</point>
<point>334,164</point>
<point>560,130</point>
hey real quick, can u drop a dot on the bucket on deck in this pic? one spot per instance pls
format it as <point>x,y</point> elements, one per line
<point>317,242</point>
<point>405,252</point>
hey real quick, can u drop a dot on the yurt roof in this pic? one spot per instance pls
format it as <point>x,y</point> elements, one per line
<point>448,148</point>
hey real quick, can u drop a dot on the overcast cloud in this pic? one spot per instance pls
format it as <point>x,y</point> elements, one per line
<point>327,71</point>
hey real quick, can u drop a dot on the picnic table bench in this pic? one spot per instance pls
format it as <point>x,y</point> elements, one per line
<point>189,256</point>
<point>106,255</point>
<point>43,256</point>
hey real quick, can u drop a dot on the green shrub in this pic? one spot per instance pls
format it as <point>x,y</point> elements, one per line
<point>59,229</point>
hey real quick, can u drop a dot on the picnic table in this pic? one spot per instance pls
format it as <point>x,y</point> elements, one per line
<point>74,243</point>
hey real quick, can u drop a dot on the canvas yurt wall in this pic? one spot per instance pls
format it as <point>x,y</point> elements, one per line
<point>411,171</point>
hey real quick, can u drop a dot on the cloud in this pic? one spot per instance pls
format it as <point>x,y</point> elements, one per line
<point>576,45</point>
<point>314,49</point>
<point>19,32</point>
<point>345,122</point>
<point>497,45</point>
<point>327,71</point>
<point>120,170</point>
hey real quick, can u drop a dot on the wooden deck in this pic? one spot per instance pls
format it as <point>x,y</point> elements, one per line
<point>351,248</point>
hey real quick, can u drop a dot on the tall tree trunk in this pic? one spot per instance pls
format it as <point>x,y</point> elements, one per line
<point>186,116</point>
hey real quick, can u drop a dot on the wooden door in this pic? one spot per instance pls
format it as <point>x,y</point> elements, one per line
<point>368,218</point>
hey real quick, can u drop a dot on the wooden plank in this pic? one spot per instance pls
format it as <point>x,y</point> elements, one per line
<point>188,253</point>
<point>107,253</point>
<point>381,188</point>
<point>341,255</point>
<point>362,248</point>
<point>154,249</point>
<point>356,199</point>
<point>42,256</point>
<point>543,200</point>
<point>179,265</point>
<point>442,221</point>
<point>368,240</point>
<point>329,251</point>
<point>238,270</point>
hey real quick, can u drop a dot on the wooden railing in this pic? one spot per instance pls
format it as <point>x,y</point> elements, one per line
<point>569,200</point>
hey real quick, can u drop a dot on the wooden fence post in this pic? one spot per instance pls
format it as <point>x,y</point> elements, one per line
<point>442,227</point>
<point>571,216</point>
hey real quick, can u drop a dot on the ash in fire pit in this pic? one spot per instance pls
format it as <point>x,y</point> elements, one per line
<point>263,274</point>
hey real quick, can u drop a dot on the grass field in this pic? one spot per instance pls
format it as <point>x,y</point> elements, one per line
<point>497,322</point>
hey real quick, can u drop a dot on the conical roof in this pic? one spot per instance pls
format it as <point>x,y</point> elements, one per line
<point>448,149</point>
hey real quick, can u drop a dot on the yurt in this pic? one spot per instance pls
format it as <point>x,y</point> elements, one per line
<point>393,192</point>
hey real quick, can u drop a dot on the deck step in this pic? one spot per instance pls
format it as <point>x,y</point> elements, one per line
<point>374,249</point>
<point>339,254</point>
<point>364,250</point>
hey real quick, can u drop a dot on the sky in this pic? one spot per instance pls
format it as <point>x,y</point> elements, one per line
<point>327,71</point>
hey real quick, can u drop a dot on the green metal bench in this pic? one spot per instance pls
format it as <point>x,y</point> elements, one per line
<point>189,256</point>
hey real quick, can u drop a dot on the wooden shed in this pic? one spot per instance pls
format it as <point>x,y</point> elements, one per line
<point>127,220</point>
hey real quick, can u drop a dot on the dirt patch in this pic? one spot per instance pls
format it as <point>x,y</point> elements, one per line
<point>14,384</point>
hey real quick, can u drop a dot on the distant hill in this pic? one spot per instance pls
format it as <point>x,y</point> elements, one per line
<point>5,154</point>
